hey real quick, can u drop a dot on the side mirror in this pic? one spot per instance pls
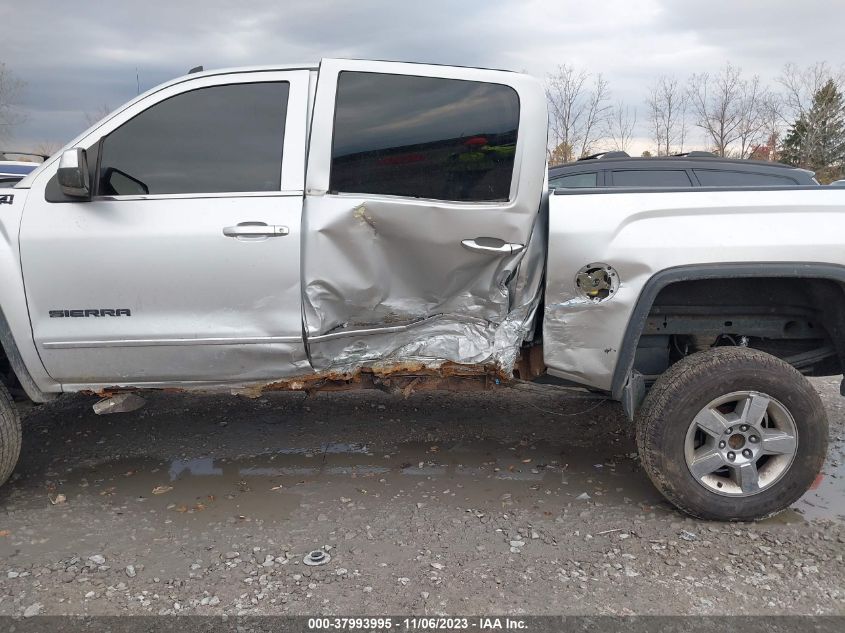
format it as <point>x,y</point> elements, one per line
<point>73,175</point>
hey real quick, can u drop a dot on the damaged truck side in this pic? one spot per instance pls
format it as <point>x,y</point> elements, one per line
<point>377,224</point>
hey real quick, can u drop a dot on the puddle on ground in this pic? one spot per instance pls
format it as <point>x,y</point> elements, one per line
<point>271,486</point>
<point>826,499</point>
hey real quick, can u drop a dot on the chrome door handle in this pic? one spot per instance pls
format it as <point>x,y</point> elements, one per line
<point>255,229</point>
<point>491,246</point>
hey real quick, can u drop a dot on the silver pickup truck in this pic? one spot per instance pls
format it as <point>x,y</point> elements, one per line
<point>361,224</point>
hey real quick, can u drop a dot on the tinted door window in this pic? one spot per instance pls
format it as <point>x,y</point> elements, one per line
<point>222,138</point>
<point>575,180</point>
<point>651,178</point>
<point>716,178</point>
<point>423,137</point>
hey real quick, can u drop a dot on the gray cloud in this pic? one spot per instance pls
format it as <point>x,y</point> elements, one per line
<point>77,57</point>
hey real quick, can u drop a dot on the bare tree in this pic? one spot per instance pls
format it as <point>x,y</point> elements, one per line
<point>10,91</point>
<point>667,104</point>
<point>683,126</point>
<point>620,126</point>
<point>47,148</point>
<point>97,115</point>
<point>728,108</point>
<point>597,112</point>
<point>578,110</point>
<point>771,115</point>
<point>753,108</point>
<point>800,86</point>
<point>715,102</point>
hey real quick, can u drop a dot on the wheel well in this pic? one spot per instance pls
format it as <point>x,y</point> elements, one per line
<point>796,319</point>
<point>8,376</point>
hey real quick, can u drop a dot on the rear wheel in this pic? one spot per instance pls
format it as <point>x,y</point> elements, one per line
<point>10,435</point>
<point>732,434</point>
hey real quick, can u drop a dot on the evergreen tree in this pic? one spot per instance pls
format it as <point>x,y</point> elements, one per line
<point>817,140</point>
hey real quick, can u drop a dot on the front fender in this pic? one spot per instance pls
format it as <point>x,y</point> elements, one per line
<point>15,331</point>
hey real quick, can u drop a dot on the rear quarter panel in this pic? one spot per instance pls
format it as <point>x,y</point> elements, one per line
<point>642,233</point>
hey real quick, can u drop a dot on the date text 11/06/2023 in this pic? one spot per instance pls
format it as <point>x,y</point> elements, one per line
<point>418,624</point>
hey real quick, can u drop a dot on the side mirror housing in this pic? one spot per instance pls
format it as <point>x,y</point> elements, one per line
<point>73,175</point>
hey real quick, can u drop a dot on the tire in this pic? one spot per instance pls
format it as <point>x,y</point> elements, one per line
<point>10,435</point>
<point>694,419</point>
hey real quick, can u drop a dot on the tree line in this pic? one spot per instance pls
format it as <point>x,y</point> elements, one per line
<point>10,91</point>
<point>11,115</point>
<point>799,120</point>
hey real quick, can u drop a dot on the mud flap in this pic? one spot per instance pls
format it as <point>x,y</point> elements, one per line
<point>633,393</point>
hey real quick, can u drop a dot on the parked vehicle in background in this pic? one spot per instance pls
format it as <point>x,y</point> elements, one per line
<point>693,169</point>
<point>11,171</point>
<point>388,226</point>
<point>838,183</point>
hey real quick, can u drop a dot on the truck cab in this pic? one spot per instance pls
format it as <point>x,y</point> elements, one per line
<point>253,225</point>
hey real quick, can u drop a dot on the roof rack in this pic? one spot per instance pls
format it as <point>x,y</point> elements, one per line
<point>695,154</point>
<point>606,155</point>
<point>3,153</point>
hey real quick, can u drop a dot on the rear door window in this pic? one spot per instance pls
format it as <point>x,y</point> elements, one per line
<point>423,137</point>
<point>651,178</point>
<point>588,179</point>
<point>719,178</point>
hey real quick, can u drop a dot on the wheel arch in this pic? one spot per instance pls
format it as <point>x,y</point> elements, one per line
<point>10,353</point>
<point>625,385</point>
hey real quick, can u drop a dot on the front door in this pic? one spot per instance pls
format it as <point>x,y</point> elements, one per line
<point>184,267</point>
<point>423,189</point>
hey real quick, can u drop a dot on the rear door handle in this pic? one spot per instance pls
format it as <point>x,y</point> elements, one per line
<point>491,246</point>
<point>255,229</point>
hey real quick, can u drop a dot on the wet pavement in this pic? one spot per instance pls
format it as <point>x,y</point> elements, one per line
<point>437,503</point>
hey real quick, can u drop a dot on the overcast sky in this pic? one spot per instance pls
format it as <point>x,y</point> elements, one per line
<point>77,57</point>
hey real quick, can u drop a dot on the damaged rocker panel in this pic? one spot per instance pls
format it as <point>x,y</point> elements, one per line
<point>402,378</point>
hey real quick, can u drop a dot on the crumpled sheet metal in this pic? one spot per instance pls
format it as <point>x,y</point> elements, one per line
<point>412,292</point>
<point>567,333</point>
<point>433,342</point>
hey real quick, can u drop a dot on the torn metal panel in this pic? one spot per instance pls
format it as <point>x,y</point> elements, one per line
<point>526,287</point>
<point>399,378</point>
<point>387,285</point>
<point>387,279</point>
<point>402,378</point>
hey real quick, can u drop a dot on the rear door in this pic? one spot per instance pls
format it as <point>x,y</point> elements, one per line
<point>423,190</point>
<point>184,267</point>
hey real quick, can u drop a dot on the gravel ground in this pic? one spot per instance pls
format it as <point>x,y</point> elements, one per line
<point>513,502</point>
